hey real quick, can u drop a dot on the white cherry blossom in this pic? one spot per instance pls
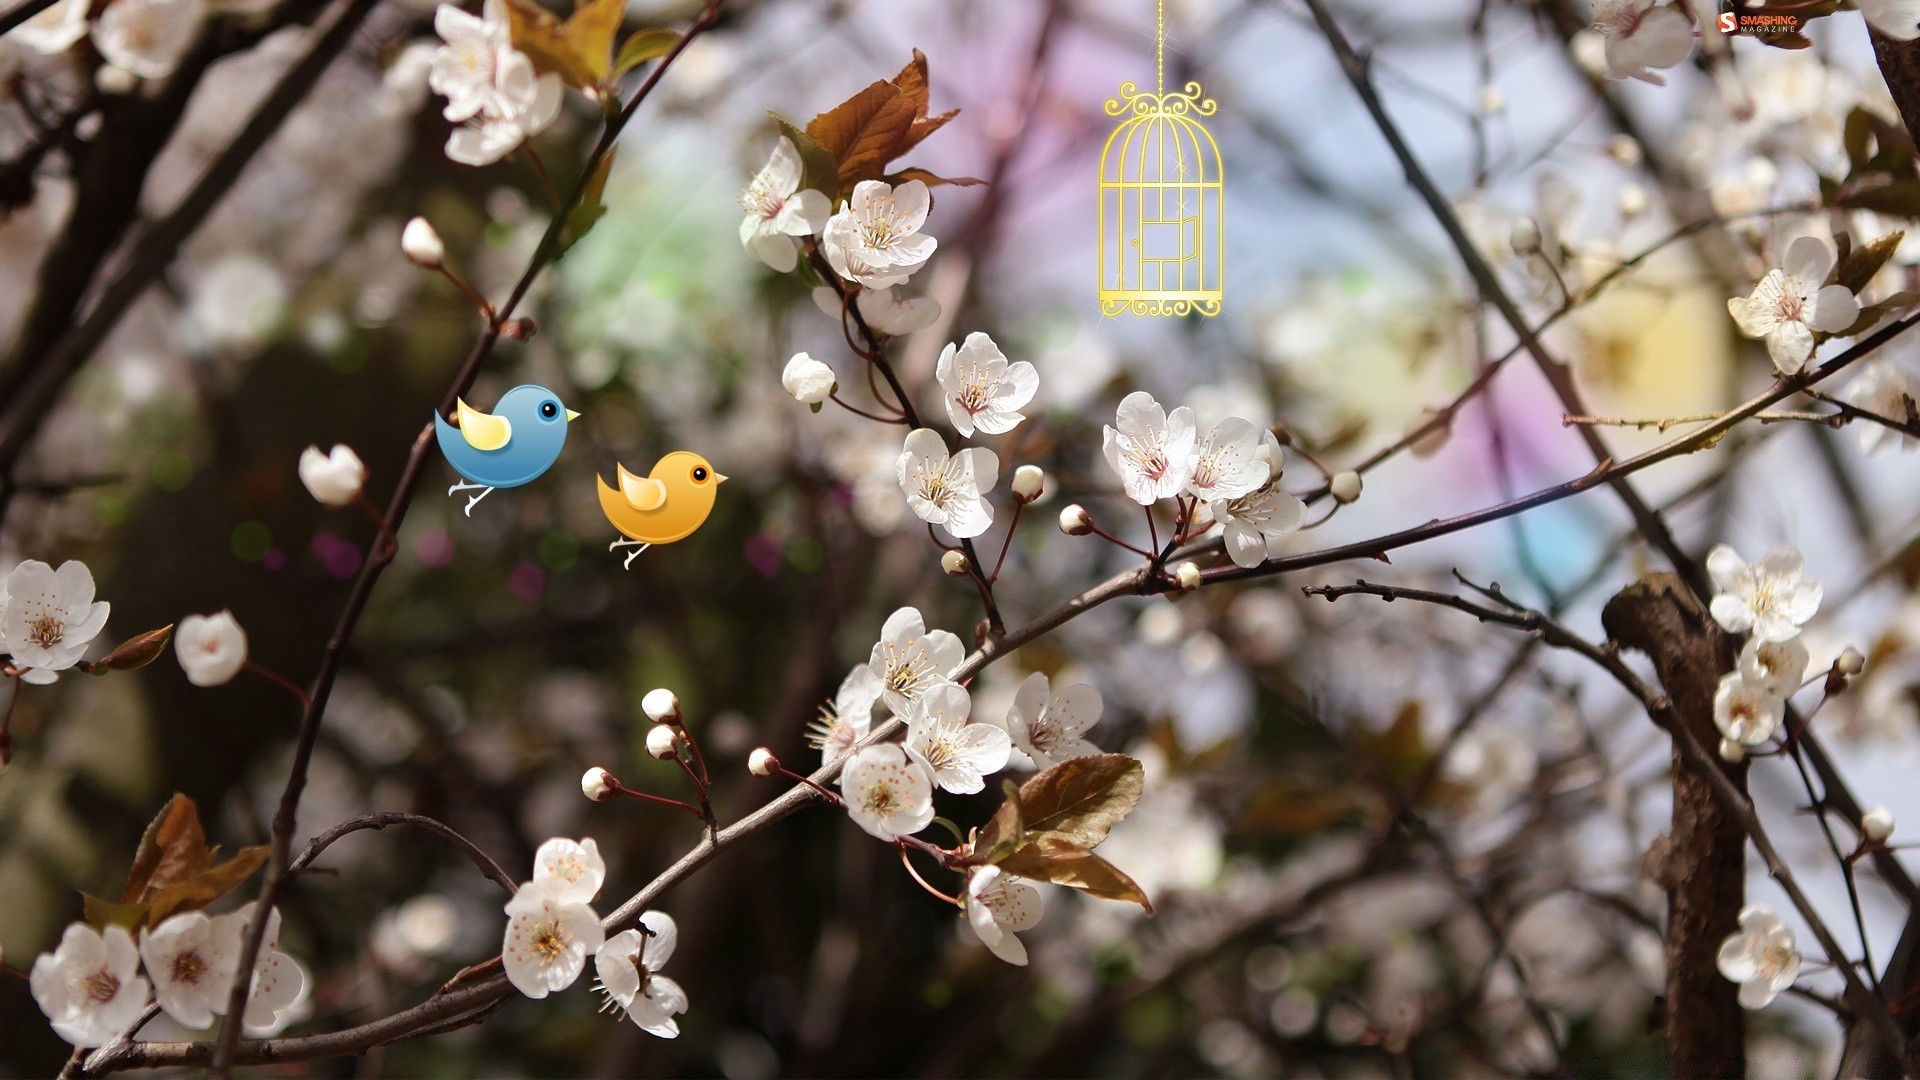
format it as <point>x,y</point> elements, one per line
<point>886,793</point>
<point>90,987</point>
<point>572,871</point>
<point>1745,712</point>
<point>1253,524</point>
<point>1898,19</point>
<point>55,30</point>
<point>1150,449</point>
<point>980,389</point>
<point>628,966</point>
<point>1229,462</point>
<point>548,940</point>
<point>778,211</point>
<point>888,313</point>
<point>997,907</point>
<point>876,239</point>
<point>1884,389</point>
<point>191,958</point>
<point>1049,726</point>
<point>333,478</point>
<point>280,983</point>
<point>490,86</point>
<point>147,38</point>
<point>808,380</point>
<point>1642,35</point>
<point>1760,956</point>
<point>1768,597</point>
<point>846,719</point>
<point>49,617</point>
<point>212,648</point>
<point>948,489</point>
<point>957,754</point>
<point>1791,304</point>
<point>1774,667</point>
<point>909,659</point>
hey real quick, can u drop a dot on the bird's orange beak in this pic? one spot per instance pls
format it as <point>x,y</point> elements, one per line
<point>719,478</point>
<point>572,416</point>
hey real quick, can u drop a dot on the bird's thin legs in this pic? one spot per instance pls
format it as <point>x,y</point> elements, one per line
<point>464,486</point>
<point>632,555</point>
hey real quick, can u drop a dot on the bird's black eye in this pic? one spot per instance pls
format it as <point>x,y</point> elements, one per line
<point>699,474</point>
<point>549,410</point>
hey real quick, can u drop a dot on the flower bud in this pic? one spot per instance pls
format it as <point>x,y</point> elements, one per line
<point>1877,824</point>
<point>661,706</point>
<point>212,648</point>
<point>1028,482</point>
<point>1345,486</point>
<point>422,245</point>
<point>1850,662</point>
<point>1525,237</point>
<point>954,563</point>
<point>598,784</point>
<point>334,478</point>
<point>1731,752</point>
<point>520,329</point>
<point>1075,521</point>
<point>1625,149</point>
<point>1633,200</point>
<point>762,762</point>
<point>808,380</point>
<point>663,742</point>
<point>1188,575</point>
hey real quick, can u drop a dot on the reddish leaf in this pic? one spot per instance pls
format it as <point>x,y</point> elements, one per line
<point>1064,864</point>
<point>863,133</point>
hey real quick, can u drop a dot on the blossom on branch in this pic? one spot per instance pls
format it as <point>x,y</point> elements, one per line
<point>778,211</point>
<point>1150,449</point>
<point>1745,712</point>
<point>1760,956</point>
<point>627,966</point>
<point>572,871</point>
<point>1252,524</point>
<point>55,30</point>
<point>147,38</point>
<point>1791,304</point>
<point>1898,19</point>
<point>980,389</point>
<point>333,478</point>
<point>948,489</point>
<point>1888,389</point>
<point>1642,35</point>
<point>280,983</point>
<point>956,754</point>
<point>1775,667</point>
<point>90,987</point>
<point>909,659</point>
<point>490,86</point>
<point>191,958</point>
<point>998,906</point>
<point>845,720</point>
<point>1768,597</point>
<point>212,648</point>
<point>808,380</point>
<point>48,617</point>
<point>887,794</point>
<point>1049,726</point>
<point>886,313</point>
<point>875,239</point>
<point>548,939</point>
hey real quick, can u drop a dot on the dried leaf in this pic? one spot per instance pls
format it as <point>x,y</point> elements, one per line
<point>915,84</point>
<point>1900,197</point>
<point>1079,800</point>
<point>930,179</point>
<point>543,37</point>
<point>863,133</point>
<point>1003,832</point>
<point>644,45</point>
<point>208,885</point>
<point>1857,136</point>
<point>172,849</point>
<point>1858,265</point>
<point>137,651</point>
<point>1064,864</point>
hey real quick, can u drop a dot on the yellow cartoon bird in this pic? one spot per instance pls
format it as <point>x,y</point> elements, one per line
<point>666,505</point>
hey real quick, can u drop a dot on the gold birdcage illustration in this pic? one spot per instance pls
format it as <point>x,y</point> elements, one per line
<point>1162,220</point>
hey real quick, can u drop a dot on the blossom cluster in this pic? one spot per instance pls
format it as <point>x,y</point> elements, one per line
<point>491,88</point>
<point>138,39</point>
<point>552,928</point>
<point>92,989</point>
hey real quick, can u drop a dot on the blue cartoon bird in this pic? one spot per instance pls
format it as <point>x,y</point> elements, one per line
<point>513,445</point>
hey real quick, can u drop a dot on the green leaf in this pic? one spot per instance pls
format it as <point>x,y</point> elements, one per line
<point>1064,864</point>
<point>101,914</point>
<point>1077,801</point>
<point>590,209</point>
<point>820,171</point>
<point>590,31</point>
<point>644,45</point>
<point>1857,266</point>
<point>1003,832</point>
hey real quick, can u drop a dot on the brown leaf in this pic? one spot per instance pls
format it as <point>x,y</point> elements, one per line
<point>538,33</point>
<point>863,133</point>
<point>1079,800</point>
<point>930,179</point>
<point>1064,864</point>
<point>208,885</point>
<point>101,914</point>
<point>173,848</point>
<point>1898,197</point>
<point>1858,265</point>
<point>644,45</point>
<point>137,651</point>
<point>1003,832</point>
<point>915,84</point>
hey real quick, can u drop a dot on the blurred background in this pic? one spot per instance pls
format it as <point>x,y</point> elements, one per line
<point>1316,914</point>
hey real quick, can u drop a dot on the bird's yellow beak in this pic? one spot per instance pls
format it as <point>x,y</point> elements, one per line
<point>719,478</point>
<point>572,416</point>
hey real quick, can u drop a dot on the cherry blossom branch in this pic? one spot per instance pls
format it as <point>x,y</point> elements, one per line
<point>385,819</point>
<point>284,819</point>
<point>1863,1000</point>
